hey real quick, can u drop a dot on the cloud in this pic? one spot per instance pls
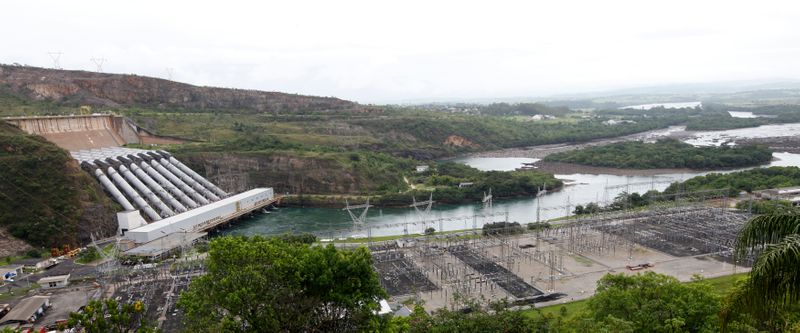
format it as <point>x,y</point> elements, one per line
<point>374,51</point>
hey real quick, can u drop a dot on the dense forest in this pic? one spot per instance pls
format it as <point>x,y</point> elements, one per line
<point>45,198</point>
<point>665,153</point>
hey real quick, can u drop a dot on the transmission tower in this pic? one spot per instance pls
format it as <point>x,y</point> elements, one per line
<point>56,57</point>
<point>487,201</point>
<point>360,219</point>
<point>170,72</point>
<point>422,214</point>
<point>98,62</point>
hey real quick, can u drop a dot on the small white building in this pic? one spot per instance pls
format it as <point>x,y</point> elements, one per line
<point>53,282</point>
<point>423,168</point>
<point>465,184</point>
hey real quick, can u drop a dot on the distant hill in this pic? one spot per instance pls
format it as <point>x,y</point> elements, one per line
<point>73,88</point>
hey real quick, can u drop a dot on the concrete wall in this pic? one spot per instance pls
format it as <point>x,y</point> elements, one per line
<point>79,132</point>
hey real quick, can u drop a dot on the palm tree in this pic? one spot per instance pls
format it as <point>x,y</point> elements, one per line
<point>774,280</point>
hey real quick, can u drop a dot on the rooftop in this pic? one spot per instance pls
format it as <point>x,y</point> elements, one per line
<point>56,278</point>
<point>165,244</point>
<point>25,309</point>
<point>200,210</point>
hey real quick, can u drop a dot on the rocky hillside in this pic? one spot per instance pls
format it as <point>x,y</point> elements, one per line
<point>72,88</point>
<point>45,198</point>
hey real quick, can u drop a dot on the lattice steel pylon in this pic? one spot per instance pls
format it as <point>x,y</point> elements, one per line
<point>98,62</point>
<point>422,214</point>
<point>56,57</point>
<point>361,219</point>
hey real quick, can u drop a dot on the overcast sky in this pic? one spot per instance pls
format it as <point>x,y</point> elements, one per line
<point>389,51</point>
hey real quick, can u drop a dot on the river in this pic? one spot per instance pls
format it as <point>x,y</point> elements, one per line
<point>580,189</point>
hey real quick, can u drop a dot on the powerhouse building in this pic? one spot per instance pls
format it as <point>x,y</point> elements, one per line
<point>204,217</point>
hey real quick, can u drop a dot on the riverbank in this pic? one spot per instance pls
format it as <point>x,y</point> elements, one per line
<point>541,151</point>
<point>569,168</point>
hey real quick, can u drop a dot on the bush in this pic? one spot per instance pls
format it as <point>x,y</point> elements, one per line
<point>502,228</point>
<point>88,255</point>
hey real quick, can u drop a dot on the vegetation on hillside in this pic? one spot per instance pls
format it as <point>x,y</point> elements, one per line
<point>665,153</point>
<point>42,190</point>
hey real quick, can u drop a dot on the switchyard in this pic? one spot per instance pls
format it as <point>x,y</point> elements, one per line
<point>680,239</point>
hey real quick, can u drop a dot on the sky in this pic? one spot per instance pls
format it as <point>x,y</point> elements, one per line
<point>401,51</point>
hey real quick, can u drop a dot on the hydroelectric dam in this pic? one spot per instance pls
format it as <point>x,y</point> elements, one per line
<point>162,198</point>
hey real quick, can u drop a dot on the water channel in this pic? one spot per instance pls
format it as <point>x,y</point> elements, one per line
<point>580,189</point>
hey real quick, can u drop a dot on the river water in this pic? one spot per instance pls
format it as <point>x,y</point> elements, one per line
<point>580,189</point>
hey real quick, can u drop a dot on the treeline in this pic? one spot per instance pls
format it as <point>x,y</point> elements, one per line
<point>716,117</point>
<point>665,153</point>
<point>747,180</point>
<point>522,109</point>
<point>701,187</point>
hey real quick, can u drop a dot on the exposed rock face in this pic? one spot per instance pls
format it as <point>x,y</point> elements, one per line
<point>112,90</point>
<point>236,172</point>
<point>458,141</point>
<point>10,245</point>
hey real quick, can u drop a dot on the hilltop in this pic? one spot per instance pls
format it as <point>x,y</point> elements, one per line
<point>74,88</point>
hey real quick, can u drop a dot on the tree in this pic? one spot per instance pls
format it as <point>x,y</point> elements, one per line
<point>101,316</point>
<point>430,231</point>
<point>774,280</point>
<point>270,285</point>
<point>497,317</point>
<point>653,302</point>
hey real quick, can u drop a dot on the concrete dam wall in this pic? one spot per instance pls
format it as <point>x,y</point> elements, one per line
<point>86,132</point>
